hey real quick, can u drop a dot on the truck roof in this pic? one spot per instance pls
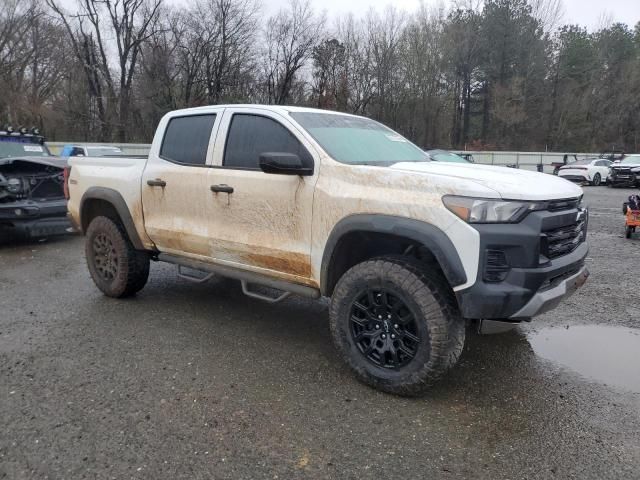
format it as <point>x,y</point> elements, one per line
<point>283,109</point>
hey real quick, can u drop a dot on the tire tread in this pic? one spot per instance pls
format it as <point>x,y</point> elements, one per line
<point>430,290</point>
<point>134,276</point>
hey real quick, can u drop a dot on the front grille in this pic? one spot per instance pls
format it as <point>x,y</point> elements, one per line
<point>564,240</point>
<point>622,171</point>
<point>567,204</point>
<point>552,282</point>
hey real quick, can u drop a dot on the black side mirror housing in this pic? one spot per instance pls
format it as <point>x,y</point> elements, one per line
<point>284,164</point>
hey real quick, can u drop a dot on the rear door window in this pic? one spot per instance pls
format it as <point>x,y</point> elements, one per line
<point>252,135</point>
<point>186,139</point>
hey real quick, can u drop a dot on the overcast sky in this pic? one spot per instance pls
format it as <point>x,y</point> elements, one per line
<point>584,12</point>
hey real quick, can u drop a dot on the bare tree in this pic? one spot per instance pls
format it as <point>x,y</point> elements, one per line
<point>548,12</point>
<point>488,73</point>
<point>129,24</point>
<point>359,73</point>
<point>384,36</point>
<point>290,36</point>
<point>234,23</point>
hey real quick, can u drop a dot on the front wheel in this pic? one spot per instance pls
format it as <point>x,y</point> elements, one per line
<point>117,269</point>
<point>629,232</point>
<point>597,179</point>
<point>396,324</point>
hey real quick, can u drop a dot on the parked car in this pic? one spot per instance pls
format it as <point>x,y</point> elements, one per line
<point>615,156</point>
<point>444,156</point>
<point>320,203</point>
<point>590,170</point>
<point>625,173</point>
<point>90,151</point>
<point>32,201</point>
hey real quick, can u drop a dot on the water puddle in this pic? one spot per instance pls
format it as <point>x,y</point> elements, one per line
<point>609,355</point>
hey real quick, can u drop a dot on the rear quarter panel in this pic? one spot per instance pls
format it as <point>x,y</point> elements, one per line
<point>121,174</point>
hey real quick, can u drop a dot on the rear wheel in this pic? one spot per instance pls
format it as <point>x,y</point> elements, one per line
<point>396,324</point>
<point>117,269</point>
<point>597,180</point>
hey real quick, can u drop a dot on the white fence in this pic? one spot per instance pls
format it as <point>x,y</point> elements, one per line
<point>523,160</point>
<point>526,160</point>
<point>127,148</point>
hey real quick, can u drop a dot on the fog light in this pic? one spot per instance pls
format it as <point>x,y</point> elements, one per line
<point>496,267</point>
<point>18,212</point>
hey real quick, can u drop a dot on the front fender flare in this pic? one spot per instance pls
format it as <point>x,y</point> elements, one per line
<point>424,233</point>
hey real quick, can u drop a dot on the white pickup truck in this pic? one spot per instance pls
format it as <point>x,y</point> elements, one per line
<point>320,203</point>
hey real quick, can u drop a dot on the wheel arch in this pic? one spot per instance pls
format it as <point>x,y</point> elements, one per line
<point>400,231</point>
<point>98,201</point>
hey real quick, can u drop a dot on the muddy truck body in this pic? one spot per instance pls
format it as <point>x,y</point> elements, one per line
<point>32,200</point>
<point>317,203</point>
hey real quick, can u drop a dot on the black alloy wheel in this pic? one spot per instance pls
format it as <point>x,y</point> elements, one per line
<point>384,328</point>
<point>395,322</point>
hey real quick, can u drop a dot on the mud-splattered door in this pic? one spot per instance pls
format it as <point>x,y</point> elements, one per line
<point>261,221</point>
<point>175,187</point>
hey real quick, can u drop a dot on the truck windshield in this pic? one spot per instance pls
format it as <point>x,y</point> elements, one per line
<point>357,140</point>
<point>631,160</point>
<point>10,147</point>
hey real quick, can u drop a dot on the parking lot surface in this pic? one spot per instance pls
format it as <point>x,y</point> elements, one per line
<point>198,381</point>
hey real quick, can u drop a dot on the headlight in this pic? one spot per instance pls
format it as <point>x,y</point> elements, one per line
<point>482,210</point>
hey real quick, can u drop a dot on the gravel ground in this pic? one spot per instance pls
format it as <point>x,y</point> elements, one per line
<point>199,382</point>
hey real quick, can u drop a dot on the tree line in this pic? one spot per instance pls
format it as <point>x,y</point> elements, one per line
<point>492,74</point>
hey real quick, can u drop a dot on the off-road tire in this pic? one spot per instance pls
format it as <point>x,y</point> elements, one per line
<point>131,266</point>
<point>628,232</point>
<point>427,293</point>
<point>597,179</point>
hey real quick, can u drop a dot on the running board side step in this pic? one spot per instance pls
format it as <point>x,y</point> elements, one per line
<point>246,278</point>
<point>259,296</point>
<point>193,278</point>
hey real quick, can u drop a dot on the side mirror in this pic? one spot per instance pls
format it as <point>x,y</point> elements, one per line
<point>283,164</point>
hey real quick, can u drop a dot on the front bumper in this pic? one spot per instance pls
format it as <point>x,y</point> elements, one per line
<point>533,284</point>
<point>622,179</point>
<point>547,300</point>
<point>35,219</point>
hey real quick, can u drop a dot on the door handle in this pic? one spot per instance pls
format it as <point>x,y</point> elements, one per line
<point>222,188</point>
<point>156,183</point>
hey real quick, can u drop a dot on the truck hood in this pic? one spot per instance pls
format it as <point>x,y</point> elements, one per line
<point>51,161</point>
<point>618,166</point>
<point>508,183</point>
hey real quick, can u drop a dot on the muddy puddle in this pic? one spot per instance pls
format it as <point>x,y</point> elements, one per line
<point>608,355</point>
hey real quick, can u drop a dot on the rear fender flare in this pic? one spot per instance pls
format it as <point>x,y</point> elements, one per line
<point>114,198</point>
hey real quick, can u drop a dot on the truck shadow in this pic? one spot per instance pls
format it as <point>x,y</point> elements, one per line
<point>297,330</point>
<point>16,240</point>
